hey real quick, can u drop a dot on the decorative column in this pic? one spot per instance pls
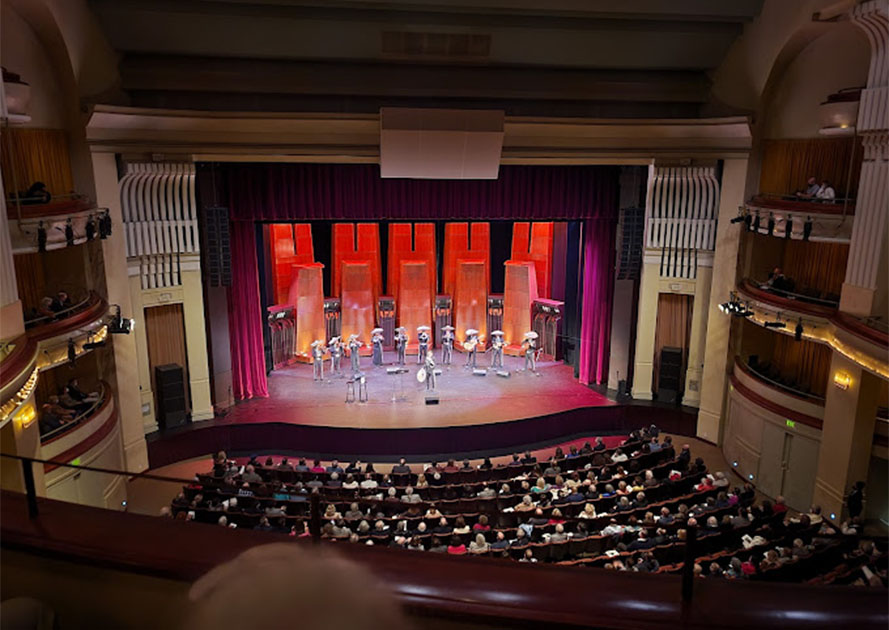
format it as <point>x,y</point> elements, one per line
<point>12,322</point>
<point>862,294</point>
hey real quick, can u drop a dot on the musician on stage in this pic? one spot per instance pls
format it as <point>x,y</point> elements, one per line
<point>497,345</point>
<point>423,341</point>
<point>447,344</point>
<point>376,338</point>
<point>400,344</point>
<point>471,346</point>
<point>318,360</point>
<point>529,344</point>
<point>335,348</point>
<point>429,368</point>
<point>354,346</point>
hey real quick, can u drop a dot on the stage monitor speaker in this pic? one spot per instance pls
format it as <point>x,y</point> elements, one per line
<point>396,370</point>
<point>432,399</point>
<point>169,384</point>
<point>503,373</point>
<point>622,388</point>
<point>479,372</point>
<point>669,374</point>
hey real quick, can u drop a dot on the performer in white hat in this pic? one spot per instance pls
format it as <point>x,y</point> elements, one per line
<point>354,346</point>
<point>497,345</point>
<point>400,344</point>
<point>447,344</point>
<point>376,338</point>
<point>471,346</point>
<point>423,341</point>
<point>530,345</point>
<point>335,348</point>
<point>318,360</point>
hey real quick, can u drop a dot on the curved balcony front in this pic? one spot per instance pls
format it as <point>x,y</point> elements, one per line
<point>787,301</point>
<point>830,220</point>
<point>26,218</point>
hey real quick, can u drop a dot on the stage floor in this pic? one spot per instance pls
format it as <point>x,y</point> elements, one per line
<point>398,401</point>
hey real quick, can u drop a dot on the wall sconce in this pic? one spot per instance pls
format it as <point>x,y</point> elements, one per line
<point>842,380</point>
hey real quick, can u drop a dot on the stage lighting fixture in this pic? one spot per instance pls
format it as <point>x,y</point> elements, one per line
<point>748,220</point>
<point>756,223</point>
<point>771,224</point>
<point>92,345</point>
<point>798,331</point>
<point>775,325</point>
<point>120,325</point>
<point>807,228</point>
<point>69,233</point>
<point>742,215</point>
<point>41,238</point>
<point>788,226</point>
<point>72,351</point>
<point>90,228</point>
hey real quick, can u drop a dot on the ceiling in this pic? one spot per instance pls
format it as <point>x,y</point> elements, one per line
<point>560,57</point>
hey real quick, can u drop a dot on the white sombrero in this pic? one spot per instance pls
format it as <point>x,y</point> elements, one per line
<point>333,340</point>
<point>448,328</point>
<point>353,336</point>
<point>497,332</point>
<point>471,331</point>
<point>531,335</point>
<point>317,342</point>
<point>376,330</point>
<point>401,329</point>
<point>423,328</point>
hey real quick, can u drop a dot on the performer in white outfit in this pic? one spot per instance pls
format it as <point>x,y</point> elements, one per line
<point>401,339</point>
<point>497,345</point>
<point>376,338</point>
<point>447,344</point>
<point>471,346</point>
<point>530,346</point>
<point>335,348</point>
<point>429,367</point>
<point>318,360</point>
<point>423,342</point>
<point>354,346</point>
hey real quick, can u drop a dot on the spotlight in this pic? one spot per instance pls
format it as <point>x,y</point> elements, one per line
<point>90,228</point>
<point>41,238</point>
<point>798,331</point>
<point>120,325</point>
<point>788,226</point>
<point>92,345</point>
<point>756,223</point>
<point>750,476</point>
<point>104,225</point>
<point>833,516</point>
<point>748,219</point>
<point>72,352</point>
<point>771,224</point>
<point>735,464</point>
<point>742,215</point>
<point>807,228</point>
<point>775,325</point>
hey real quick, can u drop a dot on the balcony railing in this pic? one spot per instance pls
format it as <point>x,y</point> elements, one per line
<point>60,205</point>
<point>62,314</point>
<point>754,290</point>
<point>758,372</point>
<point>803,205</point>
<point>802,297</point>
<point>94,407</point>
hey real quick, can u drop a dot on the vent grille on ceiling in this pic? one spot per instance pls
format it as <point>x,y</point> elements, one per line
<point>449,45</point>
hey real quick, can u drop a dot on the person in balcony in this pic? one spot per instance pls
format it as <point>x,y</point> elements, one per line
<point>46,308</point>
<point>62,302</point>
<point>73,390</point>
<point>825,192</point>
<point>811,190</point>
<point>49,421</point>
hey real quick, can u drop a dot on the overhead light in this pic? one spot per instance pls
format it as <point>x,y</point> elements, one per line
<point>750,476</point>
<point>735,464</point>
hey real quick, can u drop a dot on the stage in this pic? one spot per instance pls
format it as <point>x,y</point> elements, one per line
<point>399,401</point>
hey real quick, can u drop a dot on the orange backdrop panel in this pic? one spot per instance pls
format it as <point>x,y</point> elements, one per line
<point>520,290</point>
<point>357,244</point>
<point>411,243</point>
<point>357,300</point>
<point>533,242</point>
<point>291,244</point>
<point>471,298</point>
<point>463,241</point>
<point>307,296</point>
<point>414,301</point>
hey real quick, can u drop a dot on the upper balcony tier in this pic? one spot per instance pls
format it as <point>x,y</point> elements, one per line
<point>788,301</point>
<point>25,221</point>
<point>830,220</point>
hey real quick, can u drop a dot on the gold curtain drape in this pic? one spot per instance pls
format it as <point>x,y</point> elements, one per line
<point>673,329</point>
<point>35,155</point>
<point>30,280</point>
<point>165,329</point>
<point>816,265</point>
<point>806,362</point>
<point>787,164</point>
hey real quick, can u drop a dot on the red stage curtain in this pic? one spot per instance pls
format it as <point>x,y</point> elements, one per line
<point>245,316</point>
<point>293,192</point>
<point>598,293</point>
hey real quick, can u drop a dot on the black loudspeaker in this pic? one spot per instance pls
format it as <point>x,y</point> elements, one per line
<point>432,399</point>
<point>622,389</point>
<point>218,246</point>
<point>169,383</point>
<point>669,375</point>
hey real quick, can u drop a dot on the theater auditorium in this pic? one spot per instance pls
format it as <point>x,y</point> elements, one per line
<point>451,314</point>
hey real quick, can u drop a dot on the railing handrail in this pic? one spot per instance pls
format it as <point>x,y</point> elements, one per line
<point>779,385</point>
<point>13,197</point>
<point>107,471</point>
<point>793,197</point>
<point>790,295</point>
<point>66,311</point>
<point>94,407</point>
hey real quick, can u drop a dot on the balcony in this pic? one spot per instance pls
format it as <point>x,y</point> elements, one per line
<point>26,219</point>
<point>804,304</point>
<point>92,410</point>
<point>87,430</point>
<point>830,220</point>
